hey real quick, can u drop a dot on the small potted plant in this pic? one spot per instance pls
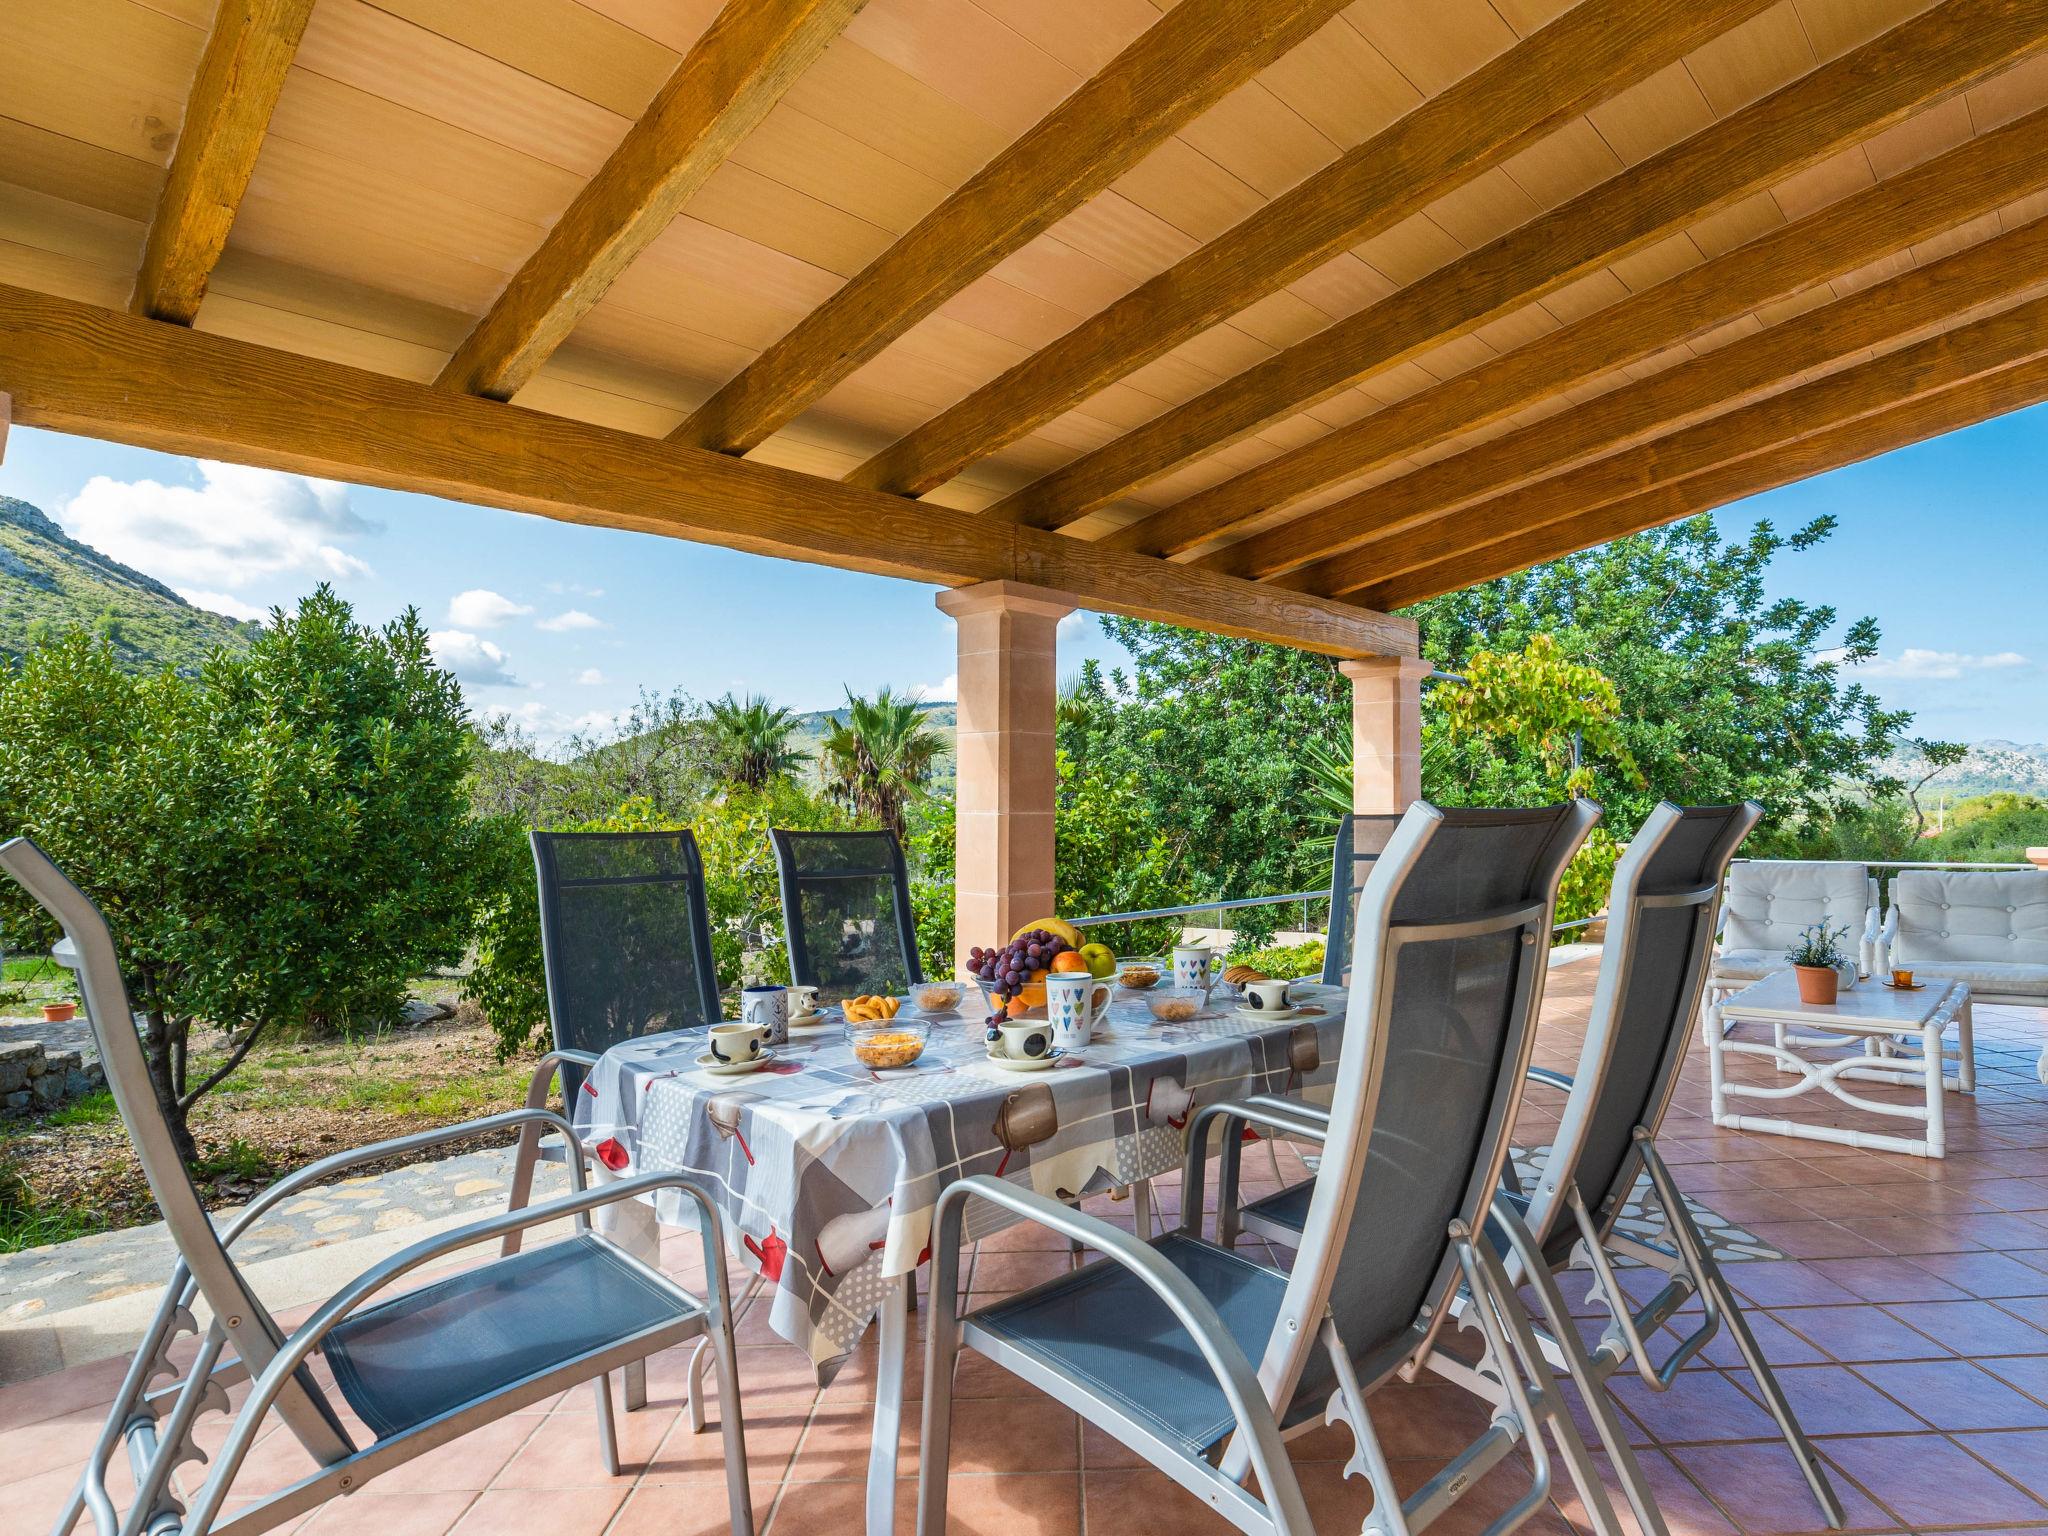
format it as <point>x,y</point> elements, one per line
<point>1817,959</point>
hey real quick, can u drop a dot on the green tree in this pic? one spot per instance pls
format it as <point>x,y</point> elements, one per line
<point>284,840</point>
<point>880,757</point>
<point>749,740</point>
<point>1936,757</point>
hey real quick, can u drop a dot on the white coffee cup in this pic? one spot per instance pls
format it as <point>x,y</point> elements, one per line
<point>1267,996</point>
<point>1026,1039</point>
<point>1191,965</point>
<point>734,1043</point>
<point>767,1007</point>
<point>803,1001</point>
<point>1073,1002</point>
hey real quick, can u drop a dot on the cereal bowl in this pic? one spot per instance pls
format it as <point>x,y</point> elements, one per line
<point>1139,975</point>
<point>1177,1006</point>
<point>888,1043</point>
<point>937,996</point>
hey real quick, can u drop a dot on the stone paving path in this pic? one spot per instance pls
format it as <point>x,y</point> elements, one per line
<point>45,1281</point>
<point>73,1036</point>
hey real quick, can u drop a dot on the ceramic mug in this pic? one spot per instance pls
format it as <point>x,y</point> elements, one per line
<point>732,1043</point>
<point>1191,966</point>
<point>1267,996</point>
<point>1026,1039</point>
<point>767,1007</point>
<point>1074,1000</point>
<point>803,1002</point>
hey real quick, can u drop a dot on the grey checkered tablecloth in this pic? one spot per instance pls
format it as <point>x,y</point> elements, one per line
<point>827,1170</point>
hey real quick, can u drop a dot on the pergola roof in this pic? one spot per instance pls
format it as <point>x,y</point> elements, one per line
<point>1259,315</point>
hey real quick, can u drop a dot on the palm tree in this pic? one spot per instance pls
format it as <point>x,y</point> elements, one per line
<point>750,740</point>
<point>879,756</point>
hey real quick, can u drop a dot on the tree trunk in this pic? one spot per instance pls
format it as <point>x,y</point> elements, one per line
<point>162,1047</point>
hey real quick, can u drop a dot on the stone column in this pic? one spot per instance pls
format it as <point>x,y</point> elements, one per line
<point>1008,690</point>
<point>1386,731</point>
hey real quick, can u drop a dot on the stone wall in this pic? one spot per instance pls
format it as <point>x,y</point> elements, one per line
<point>34,1077</point>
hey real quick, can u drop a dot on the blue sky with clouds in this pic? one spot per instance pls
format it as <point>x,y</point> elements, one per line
<point>561,625</point>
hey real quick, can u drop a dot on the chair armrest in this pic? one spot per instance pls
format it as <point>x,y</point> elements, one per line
<point>1298,1107</point>
<point>544,1074</point>
<point>312,1173</point>
<point>1550,1078</point>
<point>1259,1109</point>
<point>1226,1361</point>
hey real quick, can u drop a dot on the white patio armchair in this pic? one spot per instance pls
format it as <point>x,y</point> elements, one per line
<point>1771,902</point>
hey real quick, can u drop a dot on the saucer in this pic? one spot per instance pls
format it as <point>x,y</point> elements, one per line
<point>1277,1015</point>
<point>810,1023</point>
<point>1021,1064</point>
<point>1892,986</point>
<point>709,1063</point>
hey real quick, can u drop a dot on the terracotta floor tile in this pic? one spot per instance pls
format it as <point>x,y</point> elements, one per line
<point>1834,1400</point>
<point>557,1511</point>
<point>1890,1280</point>
<point>1781,1346</point>
<point>698,1508</point>
<point>1989,1275</point>
<point>1955,1394</point>
<point>1685,1509</point>
<point>1141,1502</point>
<point>1975,1328</point>
<point>1786,1283</point>
<point>2021,1455</point>
<point>1763,1489</point>
<point>2027,1372</point>
<point>1014,1435</point>
<point>1016,1504</point>
<point>1858,1333</point>
<point>1930,1480</point>
<point>371,1513</point>
<point>835,1508</point>
<point>467,1464</point>
<point>1701,1406</point>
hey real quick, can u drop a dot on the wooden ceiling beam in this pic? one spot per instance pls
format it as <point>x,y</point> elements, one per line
<point>1945,49</point>
<point>1942,362</point>
<point>1593,52</point>
<point>1913,421</point>
<point>241,73</point>
<point>75,367</point>
<point>1976,178</point>
<point>733,75</point>
<point>1179,67</point>
<point>1886,314</point>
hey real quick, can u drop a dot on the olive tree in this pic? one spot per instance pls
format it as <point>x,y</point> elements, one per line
<point>283,840</point>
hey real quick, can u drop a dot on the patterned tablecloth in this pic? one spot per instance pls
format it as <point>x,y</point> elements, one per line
<point>827,1170</point>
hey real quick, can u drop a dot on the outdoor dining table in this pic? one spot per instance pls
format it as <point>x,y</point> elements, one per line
<point>827,1170</point>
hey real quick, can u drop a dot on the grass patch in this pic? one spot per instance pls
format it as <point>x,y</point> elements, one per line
<point>94,1109</point>
<point>26,1222</point>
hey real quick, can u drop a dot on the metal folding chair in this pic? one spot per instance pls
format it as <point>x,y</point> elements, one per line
<point>1155,1342</point>
<point>846,912</point>
<point>1361,839</point>
<point>417,1368</point>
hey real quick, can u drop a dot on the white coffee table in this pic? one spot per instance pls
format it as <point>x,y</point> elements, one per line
<point>1902,1044</point>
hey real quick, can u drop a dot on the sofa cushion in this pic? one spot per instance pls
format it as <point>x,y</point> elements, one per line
<point>1748,964</point>
<point>1770,902</point>
<point>1986,978</point>
<point>1949,917</point>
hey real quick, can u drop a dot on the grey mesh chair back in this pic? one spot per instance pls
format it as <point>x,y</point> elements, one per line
<point>625,936</point>
<point>1361,839</point>
<point>846,911</point>
<point>1447,970</point>
<point>1662,914</point>
<point>254,1333</point>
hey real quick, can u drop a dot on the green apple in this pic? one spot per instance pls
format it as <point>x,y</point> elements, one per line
<point>1101,961</point>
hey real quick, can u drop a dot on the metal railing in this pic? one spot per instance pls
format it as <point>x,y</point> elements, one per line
<point>1236,903</point>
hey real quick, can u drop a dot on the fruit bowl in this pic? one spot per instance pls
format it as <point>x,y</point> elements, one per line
<point>888,1043</point>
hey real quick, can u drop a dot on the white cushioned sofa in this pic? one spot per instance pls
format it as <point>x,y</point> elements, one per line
<point>1988,928</point>
<point>1771,902</point>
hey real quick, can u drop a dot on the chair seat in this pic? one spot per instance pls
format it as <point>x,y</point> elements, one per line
<point>471,1336</point>
<point>1997,978</point>
<point>1287,1210</point>
<point>1105,1330</point>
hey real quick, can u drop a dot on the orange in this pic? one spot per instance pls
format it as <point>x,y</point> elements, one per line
<point>1018,1007</point>
<point>1068,962</point>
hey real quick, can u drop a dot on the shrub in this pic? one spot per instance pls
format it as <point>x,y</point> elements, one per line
<point>1289,962</point>
<point>284,839</point>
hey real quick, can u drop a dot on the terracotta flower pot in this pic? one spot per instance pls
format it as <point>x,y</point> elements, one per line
<point>1818,984</point>
<point>59,1013</point>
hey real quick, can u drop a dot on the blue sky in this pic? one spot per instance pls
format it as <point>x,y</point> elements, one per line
<point>560,624</point>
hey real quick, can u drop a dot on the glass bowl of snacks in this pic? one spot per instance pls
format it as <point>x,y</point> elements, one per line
<point>1140,975</point>
<point>1175,1005</point>
<point>886,1043</point>
<point>937,996</point>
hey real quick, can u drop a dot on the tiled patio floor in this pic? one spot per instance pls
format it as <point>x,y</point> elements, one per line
<point>1910,1322</point>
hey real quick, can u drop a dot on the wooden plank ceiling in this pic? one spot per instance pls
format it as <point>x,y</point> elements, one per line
<point>1262,315</point>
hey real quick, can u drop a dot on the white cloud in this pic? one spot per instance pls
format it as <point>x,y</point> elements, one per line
<point>1923,665</point>
<point>221,602</point>
<point>473,659</point>
<point>481,608</point>
<point>1075,624</point>
<point>559,587</point>
<point>239,526</point>
<point>945,691</point>
<point>590,677</point>
<point>574,618</point>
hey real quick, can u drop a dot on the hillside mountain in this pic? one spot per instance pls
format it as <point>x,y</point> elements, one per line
<point>1992,766</point>
<point>943,718</point>
<point>50,583</point>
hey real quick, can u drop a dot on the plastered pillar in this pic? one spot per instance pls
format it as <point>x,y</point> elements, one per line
<point>1386,731</point>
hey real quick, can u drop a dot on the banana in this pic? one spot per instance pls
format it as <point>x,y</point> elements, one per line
<point>1059,927</point>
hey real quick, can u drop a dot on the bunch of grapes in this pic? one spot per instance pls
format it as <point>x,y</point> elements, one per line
<point>1005,970</point>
